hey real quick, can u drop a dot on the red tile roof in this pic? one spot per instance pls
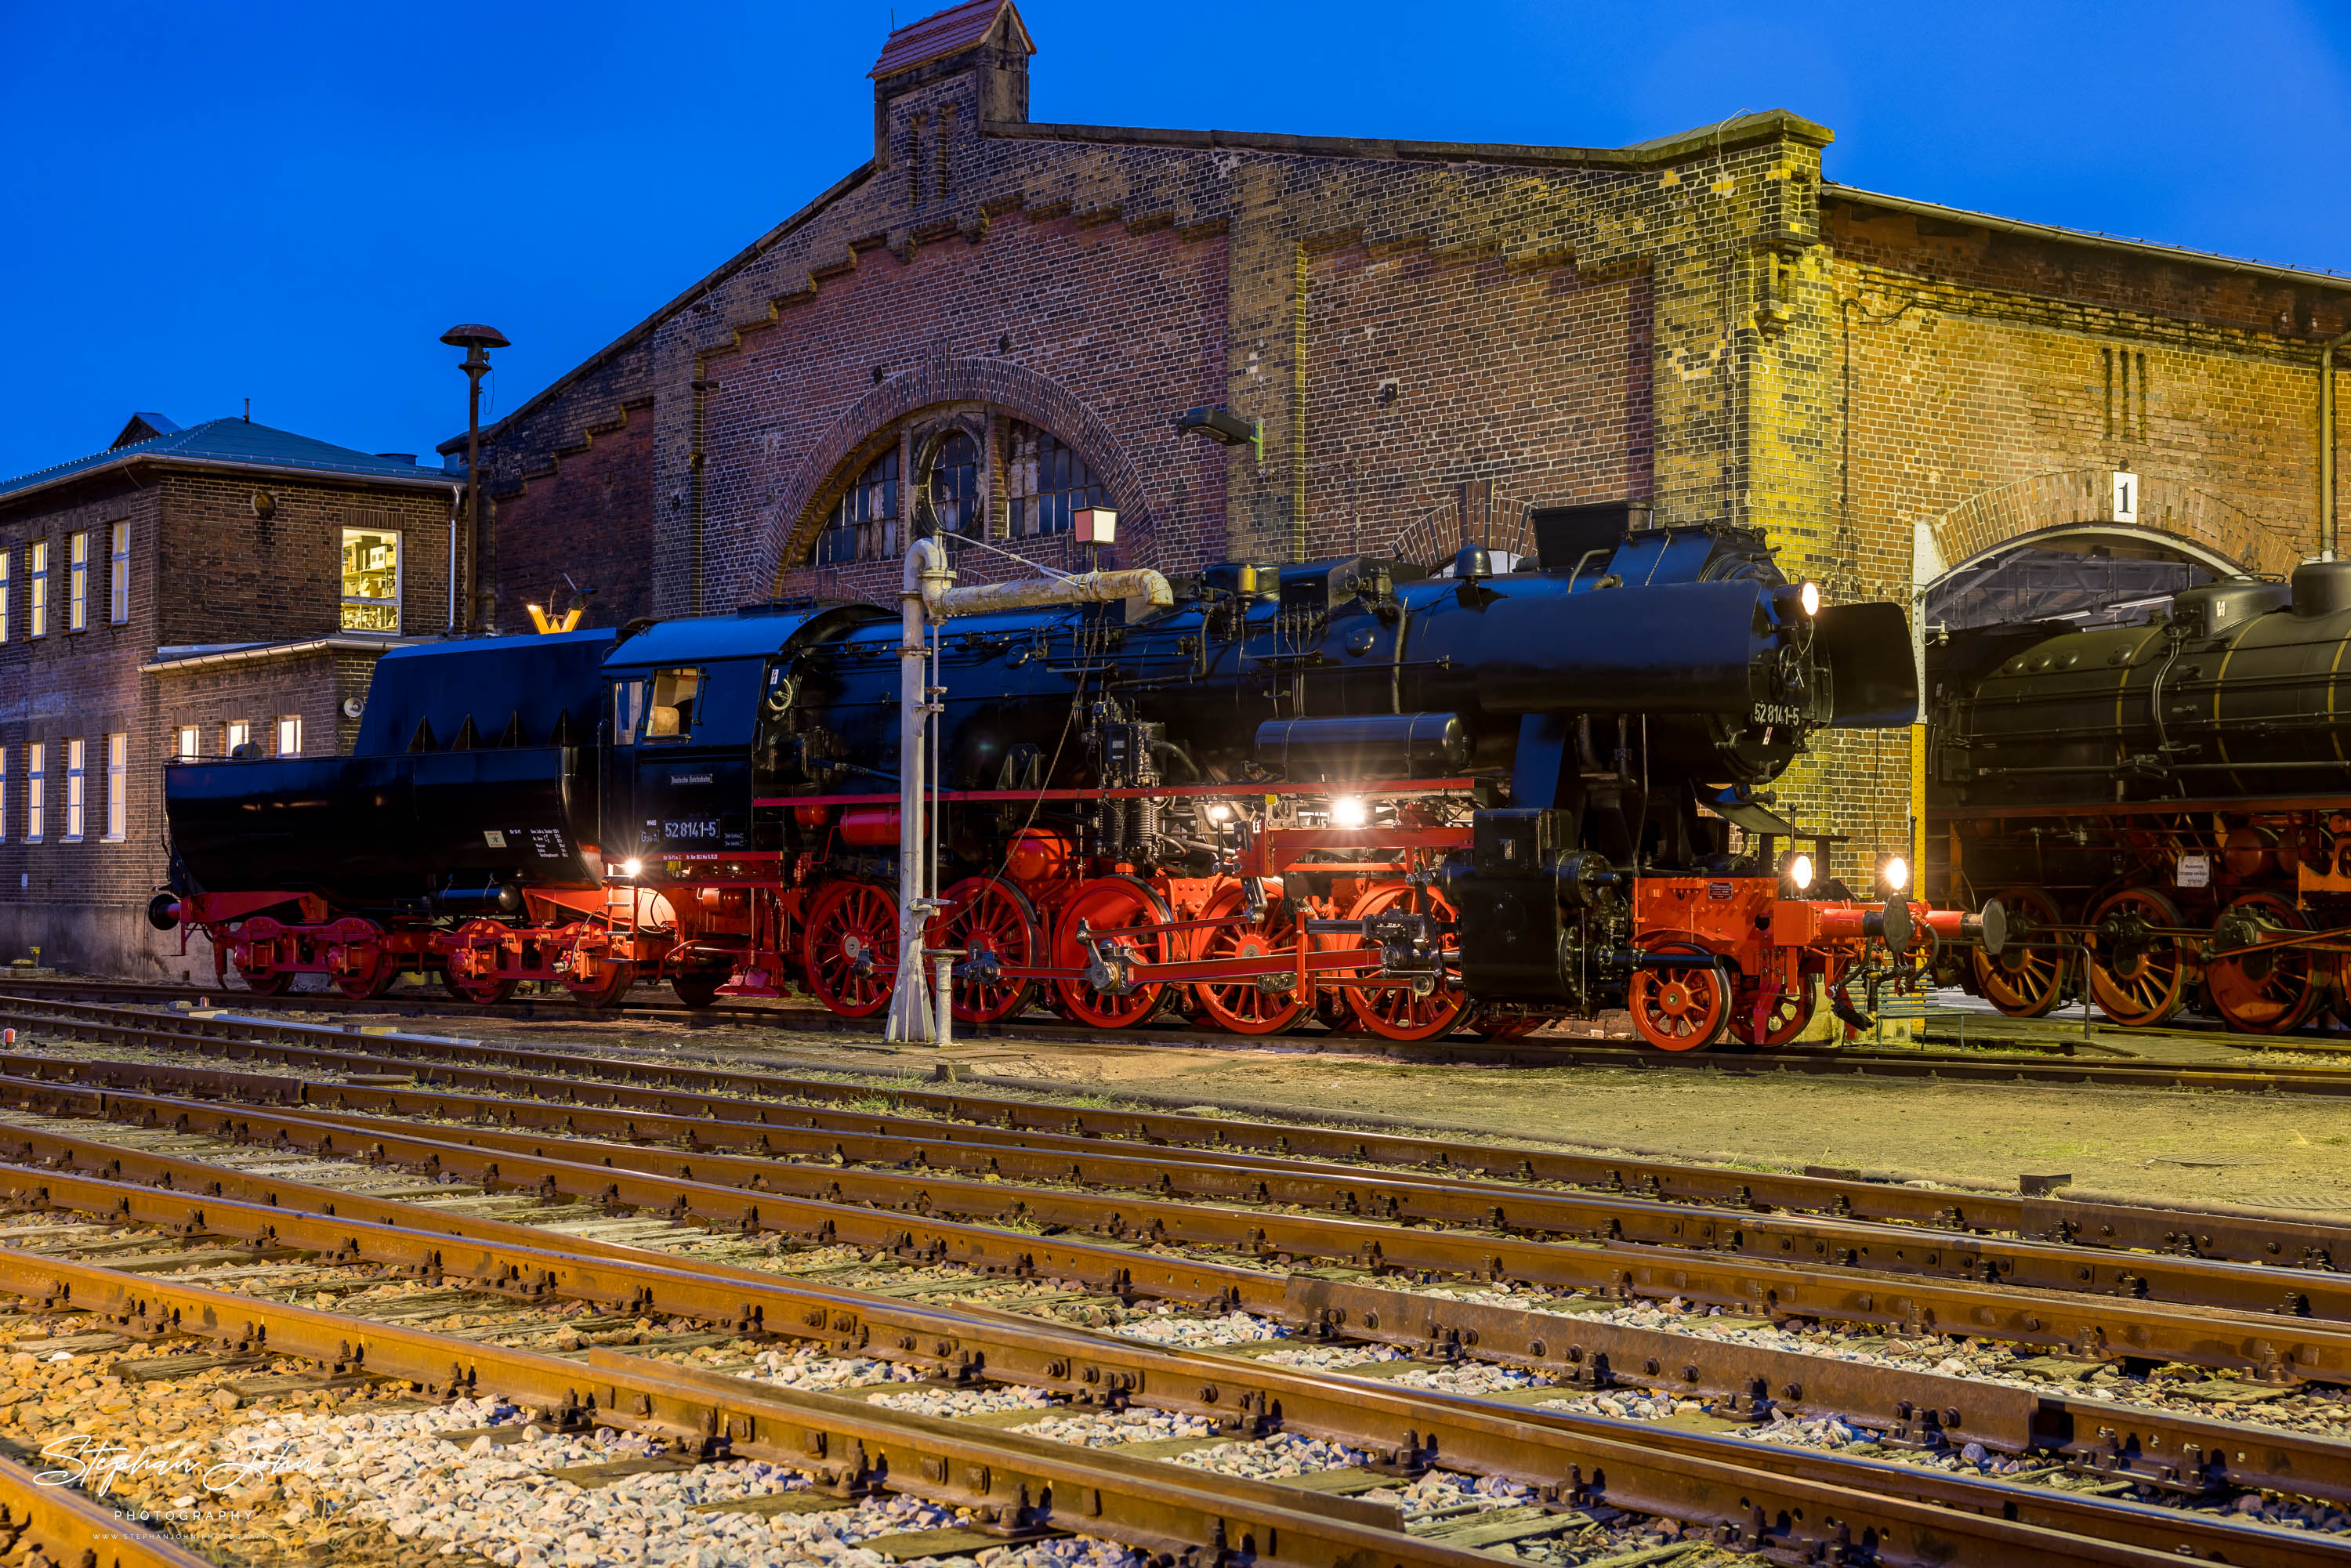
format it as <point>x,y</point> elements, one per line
<point>946,33</point>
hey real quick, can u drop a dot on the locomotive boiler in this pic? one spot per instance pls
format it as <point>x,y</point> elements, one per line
<point>2163,808</point>
<point>1354,790</point>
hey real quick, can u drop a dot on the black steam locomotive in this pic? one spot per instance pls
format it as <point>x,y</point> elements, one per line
<point>1354,791</point>
<point>2163,808</point>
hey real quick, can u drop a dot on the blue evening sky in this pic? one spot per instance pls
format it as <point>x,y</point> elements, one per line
<point>291,202</point>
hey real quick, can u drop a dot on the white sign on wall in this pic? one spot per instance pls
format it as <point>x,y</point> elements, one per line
<point>2125,496</point>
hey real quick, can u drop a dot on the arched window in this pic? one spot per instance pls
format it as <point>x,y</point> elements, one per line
<point>968,471</point>
<point>951,483</point>
<point>864,522</point>
<point>1047,482</point>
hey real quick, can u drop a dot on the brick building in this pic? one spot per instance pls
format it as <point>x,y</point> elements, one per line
<point>186,592</point>
<point>999,316</point>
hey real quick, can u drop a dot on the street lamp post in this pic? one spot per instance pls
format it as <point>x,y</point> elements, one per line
<point>477,340</point>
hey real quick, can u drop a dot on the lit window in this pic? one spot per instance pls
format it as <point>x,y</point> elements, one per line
<point>6,594</point>
<point>290,735</point>
<point>118,802</point>
<point>40,587</point>
<point>77,583</point>
<point>36,778</point>
<point>120,595</point>
<point>3,794</point>
<point>864,524</point>
<point>239,733</point>
<point>191,744</point>
<point>371,581</point>
<point>670,716</point>
<point>73,790</point>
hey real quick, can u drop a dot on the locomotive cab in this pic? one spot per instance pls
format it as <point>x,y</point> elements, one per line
<point>700,713</point>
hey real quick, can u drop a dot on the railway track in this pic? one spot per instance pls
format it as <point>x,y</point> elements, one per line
<point>387,1158</point>
<point>2050,1064</point>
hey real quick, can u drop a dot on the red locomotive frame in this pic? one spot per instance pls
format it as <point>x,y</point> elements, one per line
<point>1100,944</point>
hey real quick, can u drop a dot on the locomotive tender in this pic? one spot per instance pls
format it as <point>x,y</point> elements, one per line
<point>1347,790</point>
<point>2165,808</point>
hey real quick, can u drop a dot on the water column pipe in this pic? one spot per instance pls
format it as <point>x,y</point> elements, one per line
<point>2328,543</point>
<point>927,596</point>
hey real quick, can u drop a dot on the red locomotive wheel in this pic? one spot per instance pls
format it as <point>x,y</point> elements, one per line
<point>485,989</point>
<point>2025,982</point>
<point>363,967</point>
<point>605,982</point>
<point>260,981</point>
<point>1398,1010</point>
<point>372,981</point>
<point>1110,907</point>
<point>1784,1019</point>
<point>2138,979</point>
<point>1679,1010</point>
<point>851,949</point>
<point>2263,993</point>
<point>1243,1005</point>
<point>996,927</point>
<point>486,992</point>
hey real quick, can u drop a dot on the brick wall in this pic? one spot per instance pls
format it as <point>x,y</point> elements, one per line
<point>229,575</point>
<point>591,517</point>
<point>1425,372</point>
<point>1987,383</point>
<point>203,569</point>
<point>1670,321</point>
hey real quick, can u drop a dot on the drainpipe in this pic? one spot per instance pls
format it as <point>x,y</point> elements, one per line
<point>456,500</point>
<point>702,388</point>
<point>2327,519</point>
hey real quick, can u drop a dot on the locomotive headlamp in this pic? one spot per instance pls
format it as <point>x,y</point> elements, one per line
<point>1809,596</point>
<point>1892,873</point>
<point>1348,811</point>
<point>1798,870</point>
<point>632,867</point>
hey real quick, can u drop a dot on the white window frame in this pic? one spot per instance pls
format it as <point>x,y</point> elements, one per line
<point>118,794</point>
<point>289,726</point>
<point>191,742</point>
<point>234,734</point>
<point>74,758</point>
<point>36,756</point>
<point>119,574</point>
<point>40,575</point>
<point>8,556</point>
<point>78,580</point>
<point>3,794</point>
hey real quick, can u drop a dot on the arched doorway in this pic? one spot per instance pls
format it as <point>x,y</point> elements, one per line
<point>2016,566</point>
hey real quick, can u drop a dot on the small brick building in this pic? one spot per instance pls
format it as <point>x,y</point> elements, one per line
<point>997,318</point>
<point>186,592</point>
